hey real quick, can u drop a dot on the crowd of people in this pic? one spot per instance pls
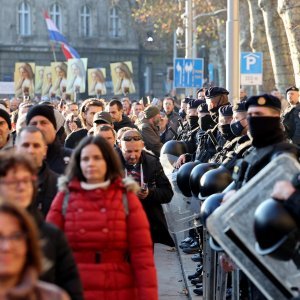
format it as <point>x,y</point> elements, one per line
<point>85,181</point>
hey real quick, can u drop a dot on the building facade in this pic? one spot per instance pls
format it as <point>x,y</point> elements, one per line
<point>101,30</point>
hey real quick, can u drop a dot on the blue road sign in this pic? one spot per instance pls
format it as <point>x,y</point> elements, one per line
<point>251,68</point>
<point>188,73</point>
<point>251,63</point>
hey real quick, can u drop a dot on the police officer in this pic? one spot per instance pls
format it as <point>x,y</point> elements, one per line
<point>237,148</point>
<point>291,117</point>
<point>188,135</point>
<point>268,138</point>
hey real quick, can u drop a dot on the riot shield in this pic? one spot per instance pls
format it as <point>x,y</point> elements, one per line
<point>182,213</point>
<point>231,225</point>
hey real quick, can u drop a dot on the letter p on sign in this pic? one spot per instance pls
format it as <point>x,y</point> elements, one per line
<point>250,60</point>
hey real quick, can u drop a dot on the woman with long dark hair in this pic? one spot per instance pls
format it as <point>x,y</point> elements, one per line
<point>106,226</point>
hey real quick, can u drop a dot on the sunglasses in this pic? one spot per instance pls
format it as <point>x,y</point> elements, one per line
<point>131,138</point>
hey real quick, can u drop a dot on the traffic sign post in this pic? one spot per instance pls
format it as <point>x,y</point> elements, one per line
<point>251,68</point>
<point>188,73</point>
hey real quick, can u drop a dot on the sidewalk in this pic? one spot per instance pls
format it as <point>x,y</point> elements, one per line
<point>173,267</point>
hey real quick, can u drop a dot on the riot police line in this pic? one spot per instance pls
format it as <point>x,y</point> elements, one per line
<point>223,189</point>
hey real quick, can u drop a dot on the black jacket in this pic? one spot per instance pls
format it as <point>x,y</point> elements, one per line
<point>58,157</point>
<point>73,139</point>
<point>125,122</point>
<point>62,269</point>
<point>160,191</point>
<point>47,189</point>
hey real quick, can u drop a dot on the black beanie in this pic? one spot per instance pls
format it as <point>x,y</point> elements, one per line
<point>5,115</point>
<point>41,110</point>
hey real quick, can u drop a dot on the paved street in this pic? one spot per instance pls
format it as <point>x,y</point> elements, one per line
<point>170,279</point>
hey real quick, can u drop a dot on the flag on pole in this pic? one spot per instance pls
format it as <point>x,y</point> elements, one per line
<point>56,36</point>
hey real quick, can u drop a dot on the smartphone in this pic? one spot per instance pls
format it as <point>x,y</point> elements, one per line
<point>144,187</point>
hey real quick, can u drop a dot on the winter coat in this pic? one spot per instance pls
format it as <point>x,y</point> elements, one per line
<point>125,122</point>
<point>58,157</point>
<point>61,268</point>
<point>47,188</point>
<point>102,236</point>
<point>160,192</point>
<point>151,137</point>
<point>74,138</point>
<point>30,288</point>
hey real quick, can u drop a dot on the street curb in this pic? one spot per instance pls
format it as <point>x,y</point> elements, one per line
<point>188,267</point>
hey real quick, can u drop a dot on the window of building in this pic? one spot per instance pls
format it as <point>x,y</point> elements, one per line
<point>114,22</point>
<point>24,18</point>
<point>85,21</point>
<point>55,15</point>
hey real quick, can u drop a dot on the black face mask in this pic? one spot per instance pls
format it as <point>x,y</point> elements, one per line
<point>265,131</point>
<point>226,132</point>
<point>214,113</point>
<point>206,122</point>
<point>237,128</point>
<point>192,121</point>
<point>182,113</point>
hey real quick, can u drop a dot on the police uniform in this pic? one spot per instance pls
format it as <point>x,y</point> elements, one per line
<point>267,146</point>
<point>189,133</point>
<point>291,120</point>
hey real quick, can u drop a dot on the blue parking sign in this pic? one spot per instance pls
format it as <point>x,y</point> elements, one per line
<point>251,68</point>
<point>188,73</point>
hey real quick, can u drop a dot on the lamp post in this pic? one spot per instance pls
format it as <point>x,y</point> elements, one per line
<point>233,50</point>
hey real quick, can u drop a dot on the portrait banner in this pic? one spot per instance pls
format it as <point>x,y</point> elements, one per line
<point>47,83</point>
<point>122,78</point>
<point>59,78</point>
<point>39,79</point>
<point>96,81</point>
<point>76,77</point>
<point>24,79</point>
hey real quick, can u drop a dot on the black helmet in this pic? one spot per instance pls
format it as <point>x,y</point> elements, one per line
<point>173,147</point>
<point>214,181</point>
<point>275,230</point>
<point>196,175</point>
<point>209,205</point>
<point>183,177</point>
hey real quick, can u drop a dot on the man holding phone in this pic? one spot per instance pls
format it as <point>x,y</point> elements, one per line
<point>147,171</point>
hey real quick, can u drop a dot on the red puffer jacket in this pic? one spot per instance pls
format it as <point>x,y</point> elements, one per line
<point>101,237</point>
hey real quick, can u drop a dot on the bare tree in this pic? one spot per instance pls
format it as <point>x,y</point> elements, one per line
<point>278,45</point>
<point>259,43</point>
<point>289,11</point>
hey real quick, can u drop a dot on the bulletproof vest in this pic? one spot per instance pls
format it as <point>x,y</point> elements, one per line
<point>257,159</point>
<point>206,148</point>
<point>240,150</point>
<point>228,147</point>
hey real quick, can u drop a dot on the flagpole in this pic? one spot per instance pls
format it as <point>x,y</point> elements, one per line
<point>53,51</point>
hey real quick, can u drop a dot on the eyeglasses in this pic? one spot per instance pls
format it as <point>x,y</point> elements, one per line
<point>14,183</point>
<point>15,239</point>
<point>131,138</point>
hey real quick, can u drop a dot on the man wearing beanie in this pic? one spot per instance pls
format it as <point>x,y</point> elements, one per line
<point>42,116</point>
<point>6,139</point>
<point>149,129</point>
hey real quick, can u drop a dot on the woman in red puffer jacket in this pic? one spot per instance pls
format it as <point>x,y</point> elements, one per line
<point>106,226</point>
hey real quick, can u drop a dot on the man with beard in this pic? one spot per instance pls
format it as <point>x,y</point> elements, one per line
<point>156,189</point>
<point>87,111</point>
<point>150,129</point>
